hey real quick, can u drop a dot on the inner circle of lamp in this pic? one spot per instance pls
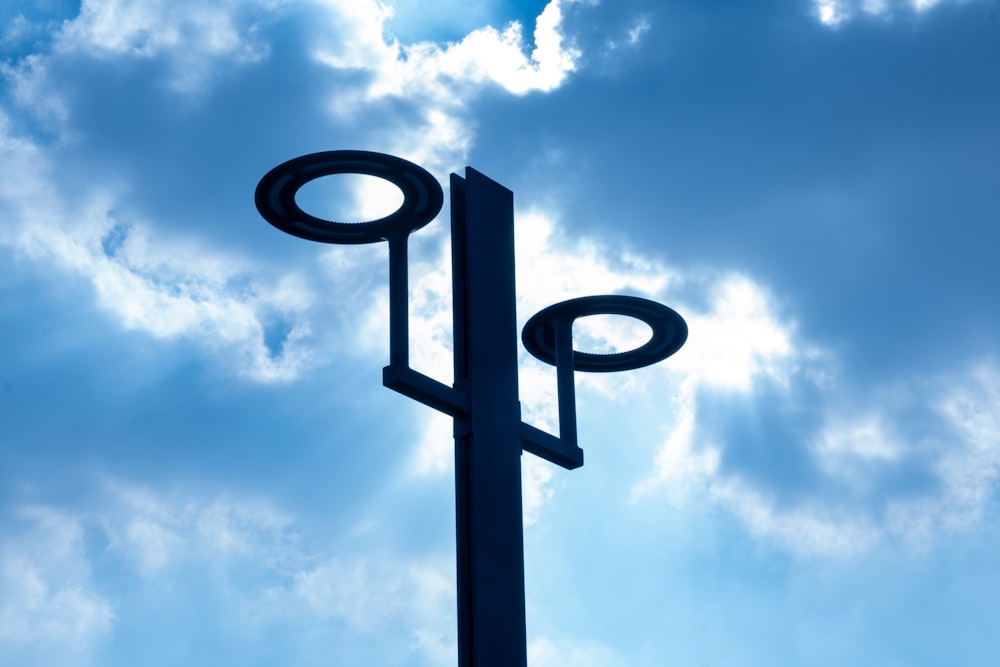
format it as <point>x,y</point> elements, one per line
<point>275,196</point>
<point>669,332</point>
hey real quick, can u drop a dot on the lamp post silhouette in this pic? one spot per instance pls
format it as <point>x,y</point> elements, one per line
<point>489,433</point>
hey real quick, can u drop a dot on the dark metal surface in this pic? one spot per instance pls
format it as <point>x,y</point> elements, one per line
<point>541,332</point>
<point>491,623</point>
<point>275,196</point>
<point>489,433</point>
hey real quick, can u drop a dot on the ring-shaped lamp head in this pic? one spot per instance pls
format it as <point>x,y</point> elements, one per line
<point>275,196</point>
<point>669,332</point>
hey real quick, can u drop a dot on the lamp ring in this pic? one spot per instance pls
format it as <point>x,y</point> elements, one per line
<point>669,332</point>
<point>275,196</point>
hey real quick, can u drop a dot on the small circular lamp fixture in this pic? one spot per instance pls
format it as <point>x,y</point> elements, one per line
<point>669,332</point>
<point>275,196</point>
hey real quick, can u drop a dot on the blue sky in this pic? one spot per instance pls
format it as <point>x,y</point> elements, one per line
<point>198,462</point>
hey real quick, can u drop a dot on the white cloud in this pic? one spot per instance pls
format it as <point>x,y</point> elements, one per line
<point>163,286</point>
<point>156,532</point>
<point>22,190</point>
<point>536,490</point>
<point>445,74</point>
<point>349,591</point>
<point>848,446</point>
<point>440,80</point>
<point>835,12</point>
<point>879,477</point>
<point>576,651</point>
<point>192,38</point>
<point>369,594</point>
<point>55,602</point>
<point>48,601</point>
<point>830,12</point>
<point>195,39</point>
<point>811,526</point>
<point>956,448</point>
<point>157,292</point>
<point>682,461</point>
<point>969,465</point>
<point>633,36</point>
<point>191,34</point>
<point>32,87</point>
<point>638,30</point>
<point>738,341</point>
<point>125,27</point>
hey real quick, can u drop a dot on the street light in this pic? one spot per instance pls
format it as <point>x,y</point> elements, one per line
<point>489,433</point>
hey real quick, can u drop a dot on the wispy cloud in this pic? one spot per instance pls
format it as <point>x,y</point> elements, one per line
<point>164,286</point>
<point>56,599</point>
<point>815,464</point>
<point>192,36</point>
<point>50,607</point>
<point>582,652</point>
<point>835,12</point>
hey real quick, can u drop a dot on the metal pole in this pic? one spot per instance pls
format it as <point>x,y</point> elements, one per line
<point>490,539</point>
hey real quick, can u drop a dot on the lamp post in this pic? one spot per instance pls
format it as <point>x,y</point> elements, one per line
<point>483,400</point>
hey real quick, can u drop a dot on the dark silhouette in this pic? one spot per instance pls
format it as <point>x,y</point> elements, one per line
<point>489,433</point>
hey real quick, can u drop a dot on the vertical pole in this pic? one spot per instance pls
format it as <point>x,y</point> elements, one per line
<point>490,539</point>
<point>399,306</point>
<point>565,382</point>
